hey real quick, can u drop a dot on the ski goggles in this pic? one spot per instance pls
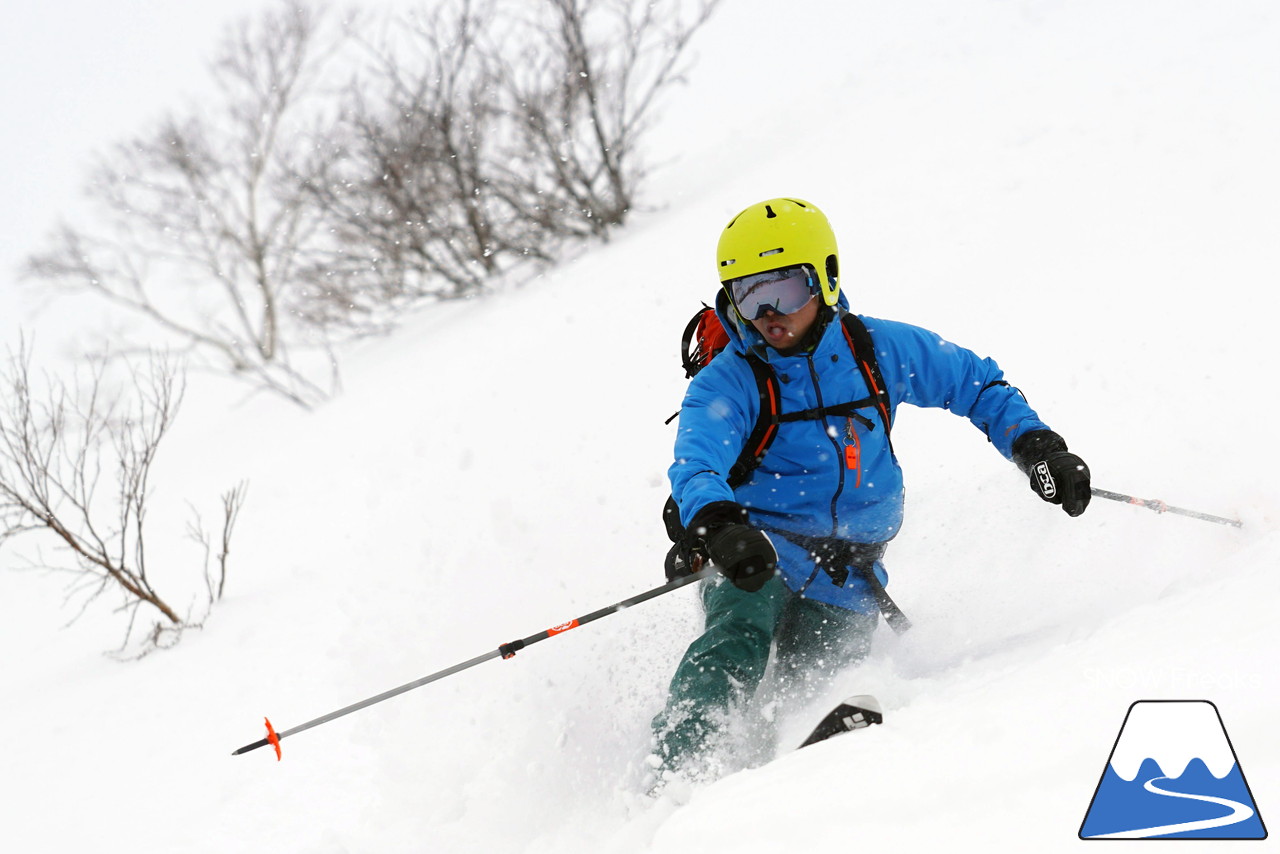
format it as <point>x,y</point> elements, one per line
<point>782,291</point>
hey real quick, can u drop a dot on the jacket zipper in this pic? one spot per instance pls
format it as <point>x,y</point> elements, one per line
<point>835,445</point>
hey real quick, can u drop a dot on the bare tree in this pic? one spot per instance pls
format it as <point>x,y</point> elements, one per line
<point>77,468</point>
<point>411,197</point>
<point>203,226</point>
<point>484,140</point>
<point>232,501</point>
<point>582,96</point>
<point>479,137</point>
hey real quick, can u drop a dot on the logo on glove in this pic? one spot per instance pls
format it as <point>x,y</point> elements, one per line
<point>1047,487</point>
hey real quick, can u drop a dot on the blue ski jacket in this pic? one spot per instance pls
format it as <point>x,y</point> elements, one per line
<point>808,485</point>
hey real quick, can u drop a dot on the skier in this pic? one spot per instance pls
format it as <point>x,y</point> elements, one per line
<point>795,541</point>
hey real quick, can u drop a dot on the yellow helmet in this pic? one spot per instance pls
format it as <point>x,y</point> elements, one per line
<point>780,233</point>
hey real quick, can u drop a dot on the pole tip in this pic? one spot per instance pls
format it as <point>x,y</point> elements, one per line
<point>248,747</point>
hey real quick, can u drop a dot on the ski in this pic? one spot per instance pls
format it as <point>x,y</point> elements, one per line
<point>857,712</point>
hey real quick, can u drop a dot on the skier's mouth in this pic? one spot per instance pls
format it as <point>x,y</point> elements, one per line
<point>776,332</point>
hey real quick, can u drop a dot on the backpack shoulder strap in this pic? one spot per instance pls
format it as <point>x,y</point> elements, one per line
<point>864,353</point>
<point>753,450</point>
<point>766,426</point>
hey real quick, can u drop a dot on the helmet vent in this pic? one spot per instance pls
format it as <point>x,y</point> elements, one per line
<point>768,211</point>
<point>728,262</point>
<point>769,252</point>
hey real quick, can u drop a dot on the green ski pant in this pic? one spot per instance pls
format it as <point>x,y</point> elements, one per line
<point>722,669</point>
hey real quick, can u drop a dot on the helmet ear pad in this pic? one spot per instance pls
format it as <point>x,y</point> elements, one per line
<point>831,289</point>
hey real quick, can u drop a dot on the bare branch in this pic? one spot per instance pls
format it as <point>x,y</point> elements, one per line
<point>579,94</point>
<point>54,449</point>
<point>203,224</point>
<point>476,141</point>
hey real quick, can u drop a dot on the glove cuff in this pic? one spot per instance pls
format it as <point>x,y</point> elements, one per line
<point>717,514</point>
<point>1031,448</point>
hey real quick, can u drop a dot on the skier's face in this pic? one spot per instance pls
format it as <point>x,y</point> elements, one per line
<point>783,331</point>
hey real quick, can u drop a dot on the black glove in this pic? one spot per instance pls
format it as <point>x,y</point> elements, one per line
<point>743,554</point>
<point>678,563</point>
<point>1057,475</point>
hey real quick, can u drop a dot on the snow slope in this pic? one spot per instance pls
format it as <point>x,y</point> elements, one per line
<point>1088,192</point>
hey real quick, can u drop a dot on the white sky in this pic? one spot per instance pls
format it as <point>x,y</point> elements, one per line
<point>77,76</point>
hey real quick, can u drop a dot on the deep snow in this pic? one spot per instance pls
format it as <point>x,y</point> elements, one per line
<point>1088,192</point>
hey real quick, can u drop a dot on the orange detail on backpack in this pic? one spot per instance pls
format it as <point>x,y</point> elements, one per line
<point>711,337</point>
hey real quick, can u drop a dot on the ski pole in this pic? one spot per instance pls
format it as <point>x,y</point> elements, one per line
<point>1160,507</point>
<point>507,650</point>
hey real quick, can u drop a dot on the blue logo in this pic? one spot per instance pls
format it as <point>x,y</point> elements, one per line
<point>1173,774</point>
